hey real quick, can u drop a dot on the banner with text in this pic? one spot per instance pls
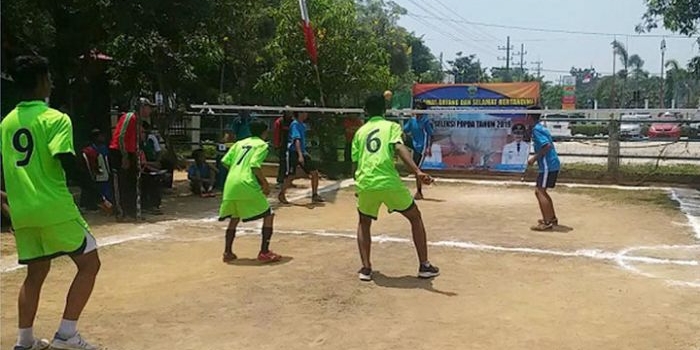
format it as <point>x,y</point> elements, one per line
<point>463,140</point>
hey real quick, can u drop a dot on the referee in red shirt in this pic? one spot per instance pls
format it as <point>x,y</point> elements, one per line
<point>123,158</point>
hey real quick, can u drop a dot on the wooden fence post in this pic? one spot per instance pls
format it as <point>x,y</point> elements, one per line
<point>614,148</point>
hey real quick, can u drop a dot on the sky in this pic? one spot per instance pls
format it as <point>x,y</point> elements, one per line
<point>443,25</point>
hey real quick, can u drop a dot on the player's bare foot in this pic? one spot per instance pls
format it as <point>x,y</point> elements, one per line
<point>418,196</point>
<point>317,199</point>
<point>269,257</point>
<point>229,257</point>
<point>282,199</point>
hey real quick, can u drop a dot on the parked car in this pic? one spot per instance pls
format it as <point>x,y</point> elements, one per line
<point>558,129</point>
<point>670,129</point>
<point>632,130</point>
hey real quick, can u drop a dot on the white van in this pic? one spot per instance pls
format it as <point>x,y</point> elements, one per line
<point>558,129</point>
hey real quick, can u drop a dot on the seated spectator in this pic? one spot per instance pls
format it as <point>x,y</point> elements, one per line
<point>95,163</point>
<point>202,176</point>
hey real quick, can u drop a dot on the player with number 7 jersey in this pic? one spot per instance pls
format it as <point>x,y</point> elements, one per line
<point>245,191</point>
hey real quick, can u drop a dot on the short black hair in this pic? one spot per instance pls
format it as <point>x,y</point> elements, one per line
<point>375,105</point>
<point>305,103</point>
<point>534,116</point>
<point>257,128</point>
<point>420,105</point>
<point>26,70</point>
<point>196,153</point>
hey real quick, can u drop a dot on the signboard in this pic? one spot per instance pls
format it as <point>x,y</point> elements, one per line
<point>568,100</point>
<point>464,140</point>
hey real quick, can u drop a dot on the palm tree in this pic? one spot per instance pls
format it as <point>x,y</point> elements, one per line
<point>637,63</point>
<point>621,51</point>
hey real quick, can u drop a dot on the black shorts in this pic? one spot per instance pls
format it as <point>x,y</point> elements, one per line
<point>293,163</point>
<point>547,180</point>
<point>418,158</point>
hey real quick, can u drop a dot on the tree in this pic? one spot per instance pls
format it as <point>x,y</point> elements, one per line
<point>552,95</point>
<point>423,63</point>
<point>467,69</point>
<point>681,16</point>
<point>621,51</point>
<point>637,64</point>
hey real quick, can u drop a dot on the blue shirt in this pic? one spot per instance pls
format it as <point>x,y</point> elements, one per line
<point>203,171</point>
<point>241,126</point>
<point>540,138</point>
<point>421,131</point>
<point>297,131</point>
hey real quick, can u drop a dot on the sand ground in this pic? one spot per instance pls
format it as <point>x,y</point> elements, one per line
<point>584,286</point>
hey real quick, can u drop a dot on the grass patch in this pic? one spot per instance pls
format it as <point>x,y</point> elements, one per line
<point>635,169</point>
<point>655,198</point>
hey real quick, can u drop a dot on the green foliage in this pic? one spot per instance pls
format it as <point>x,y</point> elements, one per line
<point>467,69</point>
<point>681,16</point>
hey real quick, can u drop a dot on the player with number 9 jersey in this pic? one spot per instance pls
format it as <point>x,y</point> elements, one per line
<point>31,136</point>
<point>243,196</point>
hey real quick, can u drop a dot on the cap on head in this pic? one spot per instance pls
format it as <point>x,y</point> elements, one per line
<point>518,129</point>
<point>144,102</point>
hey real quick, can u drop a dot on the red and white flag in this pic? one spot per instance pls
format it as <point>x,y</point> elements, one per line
<point>309,36</point>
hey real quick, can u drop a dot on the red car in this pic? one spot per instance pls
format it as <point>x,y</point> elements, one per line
<point>668,130</point>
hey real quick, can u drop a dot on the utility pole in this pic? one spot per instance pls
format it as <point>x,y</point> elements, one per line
<point>538,63</point>
<point>508,48</point>
<point>663,53</point>
<point>612,93</point>
<point>522,54</point>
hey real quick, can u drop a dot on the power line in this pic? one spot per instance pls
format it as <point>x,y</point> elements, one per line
<point>545,30</point>
<point>454,26</point>
<point>449,10</point>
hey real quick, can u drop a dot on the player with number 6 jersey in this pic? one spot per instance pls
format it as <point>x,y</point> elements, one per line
<point>378,182</point>
<point>245,191</point>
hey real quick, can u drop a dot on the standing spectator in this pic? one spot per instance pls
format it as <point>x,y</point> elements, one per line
<point>280,130</point>
<point>123,158</point>
<point>421,130</point>
<point>96,163</point>
<point>151,185</point>
<point>351,124</point>
<point>241,125</point>
<point>221,149</point>
<point>297,156</point>
<point>201,175</point>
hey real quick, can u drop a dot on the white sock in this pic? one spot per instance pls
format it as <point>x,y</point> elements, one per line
<point>25,337</point>
<point>67,329</point>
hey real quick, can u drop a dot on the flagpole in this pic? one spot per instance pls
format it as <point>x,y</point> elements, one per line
<point>320,87</point>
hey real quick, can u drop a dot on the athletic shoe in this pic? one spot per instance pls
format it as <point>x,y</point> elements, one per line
<point>555,222</point>
<point>75,343</point>
<point>317,199</point>
<point>428,271</point>
<point>543,226</point>
<point>365,274</point>
<point>268,257</point>
<point>229,257</point>
<point>39,344</point>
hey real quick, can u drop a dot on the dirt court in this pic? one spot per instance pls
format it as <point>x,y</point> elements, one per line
<point>621,274</point>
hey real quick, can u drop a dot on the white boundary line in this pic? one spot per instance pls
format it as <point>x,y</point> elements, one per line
<point>155,230</point>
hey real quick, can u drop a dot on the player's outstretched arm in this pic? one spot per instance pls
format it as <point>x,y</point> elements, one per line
<point>405,156</point>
